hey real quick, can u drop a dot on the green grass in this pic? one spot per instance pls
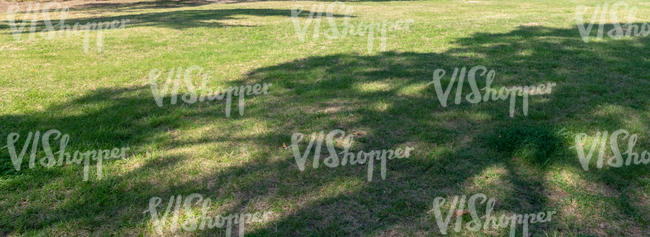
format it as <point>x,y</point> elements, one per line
<point>103,100</point>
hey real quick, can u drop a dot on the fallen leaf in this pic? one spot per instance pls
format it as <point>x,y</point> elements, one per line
<point>461,212</point>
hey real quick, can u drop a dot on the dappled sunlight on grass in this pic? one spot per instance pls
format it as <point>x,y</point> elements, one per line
<point>492,182</point>
<point>244,162</point>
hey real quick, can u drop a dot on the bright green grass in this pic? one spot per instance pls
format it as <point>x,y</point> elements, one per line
<point>102,99</point>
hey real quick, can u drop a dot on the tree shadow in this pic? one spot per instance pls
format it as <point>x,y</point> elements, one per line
<point>385,102</point>
<point>178,19</point>
<point>138,5</point>
<point>387,115</point>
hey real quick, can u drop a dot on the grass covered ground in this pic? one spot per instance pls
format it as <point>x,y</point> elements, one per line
<point>102,99</point>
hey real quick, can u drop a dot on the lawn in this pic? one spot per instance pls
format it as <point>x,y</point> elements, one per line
<point>382,95</point>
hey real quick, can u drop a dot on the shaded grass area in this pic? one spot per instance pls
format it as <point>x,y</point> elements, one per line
<point>526,163</point>
<point>179,19</point>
